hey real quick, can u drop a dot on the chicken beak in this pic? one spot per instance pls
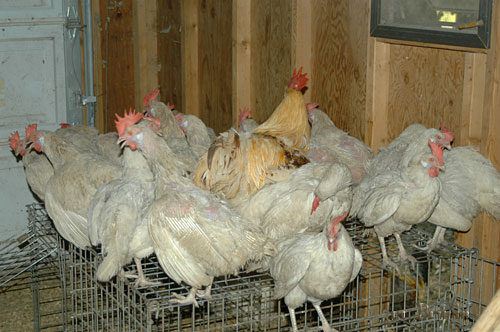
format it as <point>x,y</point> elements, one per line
<point>122,141</point>
<point>447,146</point>
<point>441,167</point>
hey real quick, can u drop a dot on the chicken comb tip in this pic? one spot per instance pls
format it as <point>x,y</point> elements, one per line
<point>298,80</point>
<point>64,125</point>
<point>153,119</point>
<point>150,96</point>
<point>448,134</point>
<point>170,106</point>
<point>245,113</point>
<point>122,123</point>
<point>437,150</point>
<point>30,130</point>
<point>14,140</point>
<point>338,219</point>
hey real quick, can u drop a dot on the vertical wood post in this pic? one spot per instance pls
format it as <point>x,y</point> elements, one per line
<point>242,58</point>
<point>145,49</point>
<point>302,42</point>
<point>190,51</point>
<point>377,94</point>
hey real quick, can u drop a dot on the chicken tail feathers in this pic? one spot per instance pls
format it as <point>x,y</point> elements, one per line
<point>490,202</point>
<point>109,267</point>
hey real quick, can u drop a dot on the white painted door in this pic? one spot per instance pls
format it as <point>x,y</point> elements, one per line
<point>40,82</point>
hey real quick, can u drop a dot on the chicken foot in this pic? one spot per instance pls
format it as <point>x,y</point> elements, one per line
<point>403,255</point>
<point>189,299</point>
<point>386,261</point>
<point>436,240</point>
<point>142,281</point>
<point>324,323</point>
<point>206,294</point>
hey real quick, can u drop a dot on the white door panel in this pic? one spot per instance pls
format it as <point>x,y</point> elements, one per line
<point>40,82</point>
<point>30,9</point>
<point>32,76</point>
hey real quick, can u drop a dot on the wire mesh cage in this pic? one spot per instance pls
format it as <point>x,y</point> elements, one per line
<point>444,292</point>
<point>29,265</point>
<point>50,299</point>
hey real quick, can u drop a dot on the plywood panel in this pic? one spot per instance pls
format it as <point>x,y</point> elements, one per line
<point>118,57</point>
<point>425,86</point>
<point>271,54</point>
<point>339,62</point>
<point>215,61</point>
<point>169,52</point>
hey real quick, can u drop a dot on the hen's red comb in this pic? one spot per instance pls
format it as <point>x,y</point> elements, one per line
<point>150,96</point>
<point>337,220</point>
<point>437,150</point>
<point>128,120</point>
<point>153,119</point>
<point>311,106</point>
<point>14,140</point>
<point>170,106</point>
<point>298,81</point>
<point>244,114</point>
<point>64,125</point>
<point>30,130</point>
<point>448,134</point>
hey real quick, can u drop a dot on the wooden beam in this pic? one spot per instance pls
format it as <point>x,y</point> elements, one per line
<point>377,94</point>
<point>145,49</point>
<point>473,100</point>
<point>190,64</point>
<point>302,41</point>
<point>242,58</point>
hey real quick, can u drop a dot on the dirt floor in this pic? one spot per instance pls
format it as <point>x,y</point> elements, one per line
<point>19,307</point>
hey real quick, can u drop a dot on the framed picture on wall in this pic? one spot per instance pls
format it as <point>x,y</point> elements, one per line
<point>451,22</point>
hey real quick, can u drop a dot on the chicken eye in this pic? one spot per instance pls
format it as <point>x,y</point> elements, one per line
<point>439,137</point>
<point>431,160</point>
<point>130,132</point>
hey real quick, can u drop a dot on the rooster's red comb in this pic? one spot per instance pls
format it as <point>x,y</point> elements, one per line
<point>170,106</point>
<point>14,140</point>
<point>30,130</point>
<point>298,81</point>
<point>448,134</point>
<point>64,125</point>
<point>150,96</point>
<point>128,120</point>
<point>437,150</point>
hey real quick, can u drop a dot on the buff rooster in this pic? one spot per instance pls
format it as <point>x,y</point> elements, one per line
<point>237,165</point>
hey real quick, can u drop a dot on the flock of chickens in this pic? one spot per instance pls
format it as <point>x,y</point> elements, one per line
<point>271,196</point>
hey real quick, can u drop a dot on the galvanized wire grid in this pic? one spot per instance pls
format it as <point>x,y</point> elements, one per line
<point>50,299</point>
<point>445,292</point>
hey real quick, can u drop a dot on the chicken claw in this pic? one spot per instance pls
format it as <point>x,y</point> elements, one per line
<point>324,323</point>
<point>403,255</point>
<point>386,261</point>
<point>189,299</point>
<point>436,240</point>
<point>206,294</point>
